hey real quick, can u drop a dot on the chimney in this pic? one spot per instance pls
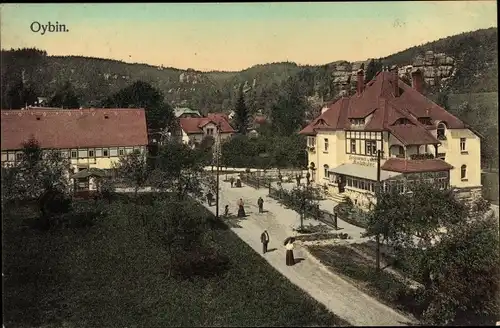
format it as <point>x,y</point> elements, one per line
<point>395,80</point>
<point>361,81</point>
<point>416,80</point>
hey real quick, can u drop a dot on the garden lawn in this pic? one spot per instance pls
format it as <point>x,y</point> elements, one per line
<point>112,275</point>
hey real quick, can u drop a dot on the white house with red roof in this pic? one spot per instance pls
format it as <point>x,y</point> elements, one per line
<point>92,138</point>
<point>192,130</point>
<point>417,138</point>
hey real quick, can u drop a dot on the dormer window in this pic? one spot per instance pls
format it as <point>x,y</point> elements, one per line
<point>425,120</point>
<point>357,121</point>
<point>441,131</point>
<point>402,121</point>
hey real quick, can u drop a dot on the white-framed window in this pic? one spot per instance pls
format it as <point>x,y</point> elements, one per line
<point>326,144</point>
<point>462,145</point>
<point>98,152</point>
<point>121,151</point>
<point>353,146</point>
<point>441,131</point>
<point>82,153</point>
<point>19,156</point>
<point>4,157</point>
<point>74,153</point>
<point>113,152</point>
<point>326,172</point>
<point>129,150</point>
<point>11,157</point>
<point>463,172</point>
<point>105,152</point>
<point>311,141</point>
<point>91,153</point>
<point>371,147</point>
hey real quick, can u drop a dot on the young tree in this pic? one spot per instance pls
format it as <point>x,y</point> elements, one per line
<point>242,114</point>
<point>179,169</point>
<point>133,169</point>
<point>65,97</point>
<point>37,173</point>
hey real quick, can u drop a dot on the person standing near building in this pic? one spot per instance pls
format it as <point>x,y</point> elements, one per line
<point>264,238</point>
<point>232,181</point>
<point>241,209</point>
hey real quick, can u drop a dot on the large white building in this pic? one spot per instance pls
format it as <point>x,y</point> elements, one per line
<point>417,138</point>
<point>90,138</point>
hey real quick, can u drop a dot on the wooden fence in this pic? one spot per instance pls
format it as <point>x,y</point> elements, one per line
<point>255,181</point>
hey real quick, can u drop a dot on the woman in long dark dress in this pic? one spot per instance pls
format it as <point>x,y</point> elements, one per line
<point>290,260</point>
<point>241,209</point>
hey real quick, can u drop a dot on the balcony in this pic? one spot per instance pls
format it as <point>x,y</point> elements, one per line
<point>311,149</point>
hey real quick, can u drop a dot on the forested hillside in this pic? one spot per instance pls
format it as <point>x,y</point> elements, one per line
<point>473,69</point>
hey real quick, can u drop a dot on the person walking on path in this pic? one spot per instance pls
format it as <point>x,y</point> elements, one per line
<point>210,198</point>
<point>241,209</point>
<point>226,211</point>
<point>232,181</point>
<point>264,238</point>
<point>260,203</point>
<point>289,251</point>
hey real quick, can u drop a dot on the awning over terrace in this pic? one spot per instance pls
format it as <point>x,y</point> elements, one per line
<point>364,172</point>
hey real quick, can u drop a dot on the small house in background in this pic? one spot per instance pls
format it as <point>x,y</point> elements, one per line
<point>192,130</point>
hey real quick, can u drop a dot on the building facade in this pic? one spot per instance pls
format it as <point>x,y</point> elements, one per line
<point>192,130</point>
<point>414,138</point>
<point>89,138</point>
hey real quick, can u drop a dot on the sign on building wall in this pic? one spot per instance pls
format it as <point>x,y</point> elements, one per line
<point>363,160</point>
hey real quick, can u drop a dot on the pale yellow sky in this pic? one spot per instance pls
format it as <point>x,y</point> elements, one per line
<point>237,36</point>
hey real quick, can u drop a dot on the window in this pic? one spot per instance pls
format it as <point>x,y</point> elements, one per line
<point>357,121</point>
<point>113,152</point>
<point>210,132</point>
<point>441,129</point>
<point>121,151</point>
<point>425,120</point>
<point>463,172</point>
<point>74,154</point>
<point>326,144</point>
<point>325,167</point>
<point>64,154</point>
<point>129,150</point>
<point>19,156</point>
<point>371,147</point>
<point>105,152</point>
<point>353,146</point>
<point>311,141</point>
<point>462,145</point>
<point>82,153</point>
<point>4,157</point>
<point>91,153</point>
<point>98,152</point>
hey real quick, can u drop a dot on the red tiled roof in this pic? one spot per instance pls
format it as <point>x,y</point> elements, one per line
<point>74,128</point>
<point>196,124</point>
<point>379,100</point>
<point>415,165</point>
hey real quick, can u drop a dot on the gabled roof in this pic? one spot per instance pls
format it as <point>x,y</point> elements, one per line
<point>196,124</point>
<point>74,128</point>
<point>378,102</point>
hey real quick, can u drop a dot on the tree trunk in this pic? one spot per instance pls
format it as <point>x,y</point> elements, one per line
<point>377,239</point>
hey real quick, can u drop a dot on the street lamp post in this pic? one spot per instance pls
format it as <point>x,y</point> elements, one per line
<point>217,148</point>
